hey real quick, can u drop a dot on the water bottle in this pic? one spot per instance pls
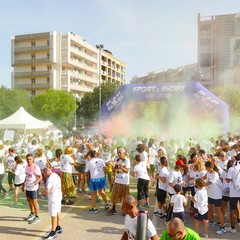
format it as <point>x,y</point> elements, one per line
<point>142,224</point>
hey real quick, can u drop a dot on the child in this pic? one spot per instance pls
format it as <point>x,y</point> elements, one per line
<point>200,201</point>
<point>140,171</point>
<point>178,202</point>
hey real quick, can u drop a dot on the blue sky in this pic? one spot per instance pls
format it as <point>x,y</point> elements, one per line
<point>149,35</point>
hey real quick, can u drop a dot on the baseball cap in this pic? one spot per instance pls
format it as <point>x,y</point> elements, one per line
<point>180,162</point>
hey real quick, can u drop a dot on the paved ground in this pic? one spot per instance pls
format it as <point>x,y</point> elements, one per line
<point>77,222</point>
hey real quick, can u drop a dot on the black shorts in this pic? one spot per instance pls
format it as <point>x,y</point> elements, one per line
<point>225,198</point>
<point>18,185</point>
<point>80,168</point>
<point>199,216</point>
<point>215,202</point>
<point>233,202</point>
<point>31,194</point>
<point>161,196</point>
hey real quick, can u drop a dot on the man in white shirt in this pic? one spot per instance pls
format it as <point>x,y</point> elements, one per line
<point>31,184</point>
<point>54,193</point>
<point>130,227</point>
<point>10,166</point>
<point>122,176</point>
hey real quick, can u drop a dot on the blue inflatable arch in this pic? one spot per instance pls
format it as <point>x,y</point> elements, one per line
<point>198,97</point>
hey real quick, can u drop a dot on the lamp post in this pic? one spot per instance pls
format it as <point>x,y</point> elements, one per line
<point>74,79</point>
<point>100,47</point>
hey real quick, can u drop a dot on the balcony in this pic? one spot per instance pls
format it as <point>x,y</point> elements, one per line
<point>31,61</point>
<point>31,49</point>
<point>84,55</point>
<point>32,74</point>
<point>32,86</point>
<point>80,88</point>
<point>83,66</point>
<point>30,37</point>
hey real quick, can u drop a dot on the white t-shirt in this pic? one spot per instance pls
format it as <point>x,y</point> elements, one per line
<point>66,163</point>
<point>80,158</point>
<point>41,162</point>
<point>54,184</point>
<point>195,175</point>
<point>223,165</point>
<point>232,174</point>
<point>20,173</point>
<point>214,190</point>
<point>152,155</point>
<point>32,174</point>
<point>10,162</point>
<point>175,177</point>
<point>141,170</point>
<point>201,201</point>
<point>122,177</point>
<point>144,156</point>
<point>96,167</point>
<point>225,184</point>
<point>130,227</point>
<point>163,172</point>
<point>2,170</point>
<point>178,200</point>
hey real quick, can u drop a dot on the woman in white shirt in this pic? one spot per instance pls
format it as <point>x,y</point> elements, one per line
<point>162,187</point>
<point>68,187</point>
<point>140,171</point>
<point>2,171</point>
<point>20,175</point>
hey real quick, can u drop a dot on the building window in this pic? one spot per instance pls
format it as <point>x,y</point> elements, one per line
<point>33,92</point>
<point>33,43</point>
<point>33,69</point>
<point>49,67</point>
<point>48,55</point>
<point>33,56</point>
<point>48,79</point>
<point>33,80</point>
<point>48,42</point>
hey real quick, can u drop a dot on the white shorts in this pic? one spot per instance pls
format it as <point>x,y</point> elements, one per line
<point>54,207</point>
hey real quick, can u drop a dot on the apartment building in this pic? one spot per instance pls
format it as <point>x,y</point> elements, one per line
<point>62,61</point>
<point>180,74</point>
<point>219,50</point>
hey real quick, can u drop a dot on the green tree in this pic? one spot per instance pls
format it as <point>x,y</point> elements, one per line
<point>232,97</point>
<point>11,100</point>
<point>58,106</point>
<point>88,106</point>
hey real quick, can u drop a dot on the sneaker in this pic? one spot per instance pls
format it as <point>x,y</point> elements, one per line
<point>5,194</point>
<point>14,205</point>
<point>203,235</point>
<point>69,202</point>
<point>111,212</point>
<point>211,224</point>
<point>146,205</point>
<point>30,217</point>
<point>221,230</point>
<point>158,214</point>
<point>230,229</point>
<point>94,210</point>
<point>35,220</point>
<point>58,230</point>
<point>163,216</point>
<point>106,207</point>
<point>51,235</point>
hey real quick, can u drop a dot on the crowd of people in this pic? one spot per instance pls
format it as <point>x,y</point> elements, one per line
<point>200,174</point>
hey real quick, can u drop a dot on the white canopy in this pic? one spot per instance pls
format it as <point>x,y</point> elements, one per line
<point>23,120</point>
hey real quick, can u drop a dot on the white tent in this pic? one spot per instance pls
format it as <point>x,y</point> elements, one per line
<point>23,120</point>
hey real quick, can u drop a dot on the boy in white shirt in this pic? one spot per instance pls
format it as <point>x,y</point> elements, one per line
<point>178,202</point>
<point>200,200</point>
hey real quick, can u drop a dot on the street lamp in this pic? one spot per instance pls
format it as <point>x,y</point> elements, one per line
<point>100,47</point>
<point>75,95</point>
